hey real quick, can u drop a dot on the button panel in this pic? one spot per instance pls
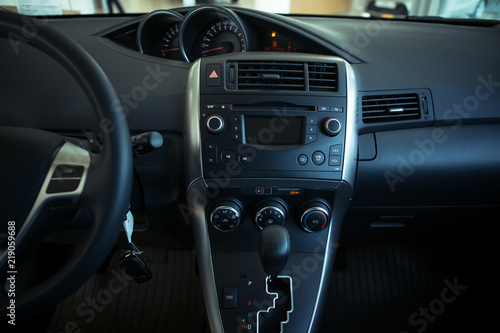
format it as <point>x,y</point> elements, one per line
<point>335,157</point>
<point>237,128</point>
<point>313,156</point>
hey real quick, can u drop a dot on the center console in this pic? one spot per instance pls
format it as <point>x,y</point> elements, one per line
<point>270,160</point>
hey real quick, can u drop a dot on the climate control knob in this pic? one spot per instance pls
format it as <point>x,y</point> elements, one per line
<point>226,215</point>
<point>270,212</point>
<point>215,124</point>
<point>332,126</point>
<point>314,216</point>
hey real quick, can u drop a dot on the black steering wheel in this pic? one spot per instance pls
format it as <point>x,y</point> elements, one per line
<point>46,180</point>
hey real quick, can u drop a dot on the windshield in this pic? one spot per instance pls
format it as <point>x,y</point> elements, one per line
<point>462,9</point>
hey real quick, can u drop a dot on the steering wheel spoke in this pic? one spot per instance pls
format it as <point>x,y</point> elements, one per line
<point>56,201</point>
<point>46,179</point>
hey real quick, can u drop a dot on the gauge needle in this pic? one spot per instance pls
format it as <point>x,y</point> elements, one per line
<point>169,50</point>
<point>214,49</point>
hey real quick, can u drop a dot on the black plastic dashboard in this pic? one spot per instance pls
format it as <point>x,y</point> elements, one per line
<point>417,104</point>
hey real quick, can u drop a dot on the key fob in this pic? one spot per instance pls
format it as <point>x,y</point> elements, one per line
<point>135,267</point>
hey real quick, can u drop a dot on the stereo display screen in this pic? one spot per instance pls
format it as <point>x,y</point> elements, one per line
<point>274,130</point>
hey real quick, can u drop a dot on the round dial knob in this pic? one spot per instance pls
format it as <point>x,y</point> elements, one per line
<point>215,124</point>
<point>270,212</point>
<point>226,215</point>
<point>332,126</point>
<point>314,216</point>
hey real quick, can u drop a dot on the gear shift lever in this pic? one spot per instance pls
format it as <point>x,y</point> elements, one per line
<point>274,250</point>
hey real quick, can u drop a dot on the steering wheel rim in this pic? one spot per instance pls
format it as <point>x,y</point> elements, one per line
<point>108,183</point>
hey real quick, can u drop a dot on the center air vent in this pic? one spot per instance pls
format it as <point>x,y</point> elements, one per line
<point>287,75</point>
<point>390,108</point>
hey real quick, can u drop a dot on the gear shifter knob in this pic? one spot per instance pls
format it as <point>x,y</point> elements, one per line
<point>274,249</point>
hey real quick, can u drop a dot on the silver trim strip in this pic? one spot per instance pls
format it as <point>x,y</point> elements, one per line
<point>196,196</point>
<point>274,301</point>
<point>351,135</point>
<point>349,170</point>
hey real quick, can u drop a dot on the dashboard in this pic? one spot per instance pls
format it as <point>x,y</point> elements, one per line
<point>336,129</point>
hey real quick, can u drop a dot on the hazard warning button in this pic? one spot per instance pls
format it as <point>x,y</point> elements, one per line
<point>214,75</point>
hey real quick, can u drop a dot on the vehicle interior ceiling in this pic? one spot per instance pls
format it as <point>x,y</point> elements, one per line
<point>386,129</point>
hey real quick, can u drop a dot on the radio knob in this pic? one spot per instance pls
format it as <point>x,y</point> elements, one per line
<point>215,124</point>
<point>270,212</point>
<point>314,216</point>
<point>226,215</point>
<point>332,126</point>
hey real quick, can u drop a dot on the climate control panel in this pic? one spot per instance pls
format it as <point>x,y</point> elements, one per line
<point>312,216</point>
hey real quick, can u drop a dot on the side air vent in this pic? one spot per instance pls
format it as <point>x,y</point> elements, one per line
<point>322,76</point>
<point>390,108</point>
<point>287,75</point>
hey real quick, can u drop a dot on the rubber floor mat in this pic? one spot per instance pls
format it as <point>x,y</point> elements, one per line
<point>172,301</point>
<point>393,288</point>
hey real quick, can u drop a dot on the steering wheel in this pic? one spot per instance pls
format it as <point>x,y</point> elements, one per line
<point>47,179</point>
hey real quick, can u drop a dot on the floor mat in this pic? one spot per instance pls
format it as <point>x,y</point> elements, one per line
<point>394,288</point>
<point>172,301</point>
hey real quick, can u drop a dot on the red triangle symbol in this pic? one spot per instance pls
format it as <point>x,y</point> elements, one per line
<point>214,75</point>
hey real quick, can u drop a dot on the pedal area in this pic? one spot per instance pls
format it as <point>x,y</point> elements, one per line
<point>111,301</point>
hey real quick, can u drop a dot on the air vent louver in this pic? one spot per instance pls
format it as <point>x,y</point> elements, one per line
<point>322,76</point>
<point>390,108</point>
<point>269,75</point>
<point>286,75</point>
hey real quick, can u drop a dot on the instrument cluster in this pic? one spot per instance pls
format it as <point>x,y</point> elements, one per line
<point>207,31</point>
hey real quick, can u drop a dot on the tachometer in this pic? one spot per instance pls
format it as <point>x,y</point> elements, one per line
<point>221,38</point>
<point>166,45</point>
<point>158,34</point>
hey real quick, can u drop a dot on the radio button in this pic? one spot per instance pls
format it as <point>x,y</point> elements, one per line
<point>223,106</point>
<point>209,107</point>
<point>311,129</point>
<point>318,158</point>
<point>211,153</point>
<point>235,128</point>
<point>337,109</point>
<point>334,160</point>
<point>312,120</point>
<point>238,137</point>
<point>332,126</point>
<point>310,138</point>
<point>244,159</point>
<point>302,159</point>
<point>236,119</point>
<point>215,124</point>
<point>336,150</point>
<point>324,108</point>
<point>228,156</point>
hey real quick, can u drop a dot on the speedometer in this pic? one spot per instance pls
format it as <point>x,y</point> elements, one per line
<point>221,38</point>
<point>209,31</point>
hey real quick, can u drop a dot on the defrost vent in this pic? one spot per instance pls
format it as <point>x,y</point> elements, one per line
<point>287,75</point>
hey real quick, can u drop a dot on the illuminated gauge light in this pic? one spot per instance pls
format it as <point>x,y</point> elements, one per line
<point>222,38</point>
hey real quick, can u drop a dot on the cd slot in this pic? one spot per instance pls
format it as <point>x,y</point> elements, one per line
<point>272,107</point>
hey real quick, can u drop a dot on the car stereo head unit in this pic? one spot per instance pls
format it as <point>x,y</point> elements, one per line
<point>273,139</point>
